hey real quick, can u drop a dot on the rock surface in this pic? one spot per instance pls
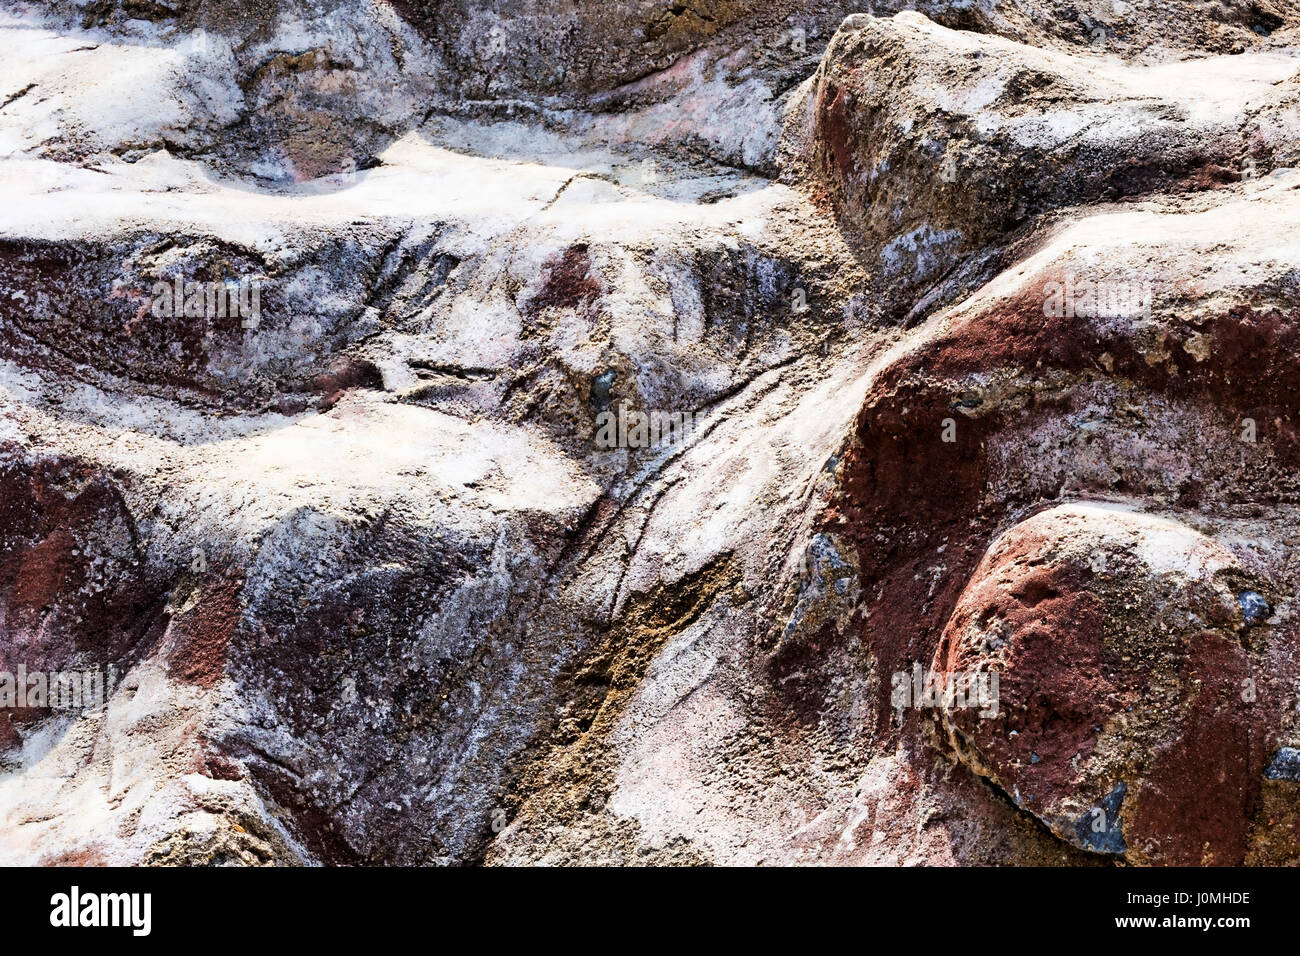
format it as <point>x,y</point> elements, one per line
<point>976,326</point>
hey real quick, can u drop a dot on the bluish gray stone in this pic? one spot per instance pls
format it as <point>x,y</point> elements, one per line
<point>600,390</point>
<point>1285,765</point>
<point>1254,607</point>
<point>1108,838</point>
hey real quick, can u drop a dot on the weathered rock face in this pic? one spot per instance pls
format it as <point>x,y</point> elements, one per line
<point>74,591</point>
<point>483,432</point>
<point>1140,684</point>
<point>937,143</point>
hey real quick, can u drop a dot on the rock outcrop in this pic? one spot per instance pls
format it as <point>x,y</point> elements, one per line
<point>682,433</point>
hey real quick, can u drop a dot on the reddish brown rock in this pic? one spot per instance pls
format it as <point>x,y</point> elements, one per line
<point>1137,709</point>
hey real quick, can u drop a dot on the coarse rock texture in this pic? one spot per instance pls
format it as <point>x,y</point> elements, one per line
<point>978,325</point>
<point>936,163</point>
<point>1131,717</point>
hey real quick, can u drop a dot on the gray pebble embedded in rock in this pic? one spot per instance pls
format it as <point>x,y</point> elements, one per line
<point>600,390</point>
<point>1285,765</point>
<point>1254,607</point>
<point>1099,828</point>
